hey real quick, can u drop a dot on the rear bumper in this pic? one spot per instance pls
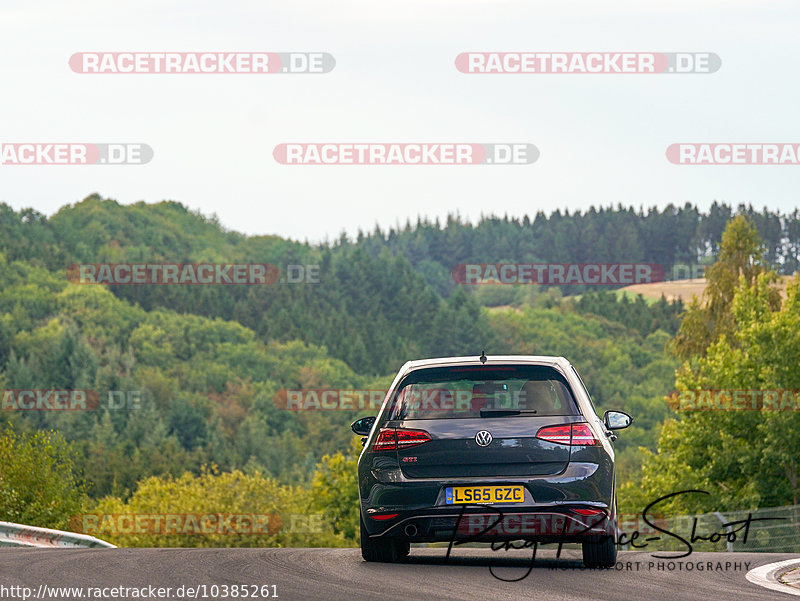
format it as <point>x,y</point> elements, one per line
<point>549,508</point>
<point>478,523</point>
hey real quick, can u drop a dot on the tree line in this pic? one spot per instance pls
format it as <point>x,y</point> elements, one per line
<point>208,361</point>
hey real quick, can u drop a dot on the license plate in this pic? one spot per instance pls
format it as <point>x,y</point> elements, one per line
<point>459,495</point>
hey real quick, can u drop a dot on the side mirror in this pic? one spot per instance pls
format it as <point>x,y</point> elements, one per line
<point>617,420</point>
<point>363,426</point>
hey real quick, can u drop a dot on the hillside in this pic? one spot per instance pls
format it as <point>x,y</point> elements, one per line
<point>207,364</point>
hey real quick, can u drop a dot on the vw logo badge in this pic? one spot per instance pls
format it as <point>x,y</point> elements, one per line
<point>483,438</point>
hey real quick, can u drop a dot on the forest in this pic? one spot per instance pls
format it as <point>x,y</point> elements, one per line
<point>187,377</point>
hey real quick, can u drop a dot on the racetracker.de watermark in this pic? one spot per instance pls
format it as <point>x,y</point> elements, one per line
<point>610,274</point>
<point>52,399</point>
<point>405,153</point>
<point>328,399</point>
<point>734,153</point>
<point>196,524</point>
<point>172,524</point>
<point>173,63</point>
<point>739,399</point>
<point>639,63</point>
<point>408,399</point>
<point>75,153</point>
<point>253,274</point>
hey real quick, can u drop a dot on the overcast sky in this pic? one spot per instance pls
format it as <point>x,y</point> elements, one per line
<point>602,138</point>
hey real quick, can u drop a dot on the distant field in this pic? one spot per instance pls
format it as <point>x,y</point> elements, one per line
<point>672,290</point>
<point>676,289</point>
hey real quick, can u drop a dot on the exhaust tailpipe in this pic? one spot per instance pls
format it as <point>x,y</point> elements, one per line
<point>411,530</point>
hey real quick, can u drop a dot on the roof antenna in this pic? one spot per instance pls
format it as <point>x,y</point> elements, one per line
<point>483,357</point>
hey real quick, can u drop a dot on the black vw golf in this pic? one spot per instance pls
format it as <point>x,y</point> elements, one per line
<point>488,449</point>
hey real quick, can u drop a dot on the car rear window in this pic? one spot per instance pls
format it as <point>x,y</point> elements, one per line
<point>480,391</point>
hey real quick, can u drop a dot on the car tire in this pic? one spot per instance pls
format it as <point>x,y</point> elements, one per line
<point>386,550</point>
<point>600,553</point>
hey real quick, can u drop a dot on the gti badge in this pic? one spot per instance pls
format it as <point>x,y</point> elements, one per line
<point>483,438</point>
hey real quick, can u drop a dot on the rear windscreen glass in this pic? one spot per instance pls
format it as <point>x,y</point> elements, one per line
<point>482,391</point>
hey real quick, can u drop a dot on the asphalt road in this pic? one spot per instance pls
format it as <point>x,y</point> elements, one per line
<point>340,574</point>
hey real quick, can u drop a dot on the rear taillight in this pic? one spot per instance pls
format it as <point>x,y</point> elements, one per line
<point>589,511</point>
<point>582,435</point>
<point>570,434</point>
<point>390,439</point>
<point>384,516</point>
<point>559,434</point>
<point>386,441</point>
<point>410,438</point>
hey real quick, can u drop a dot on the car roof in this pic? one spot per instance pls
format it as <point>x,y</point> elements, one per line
<point>490,359</point>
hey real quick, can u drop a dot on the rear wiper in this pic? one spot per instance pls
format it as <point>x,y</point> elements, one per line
<point>504,412</point>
